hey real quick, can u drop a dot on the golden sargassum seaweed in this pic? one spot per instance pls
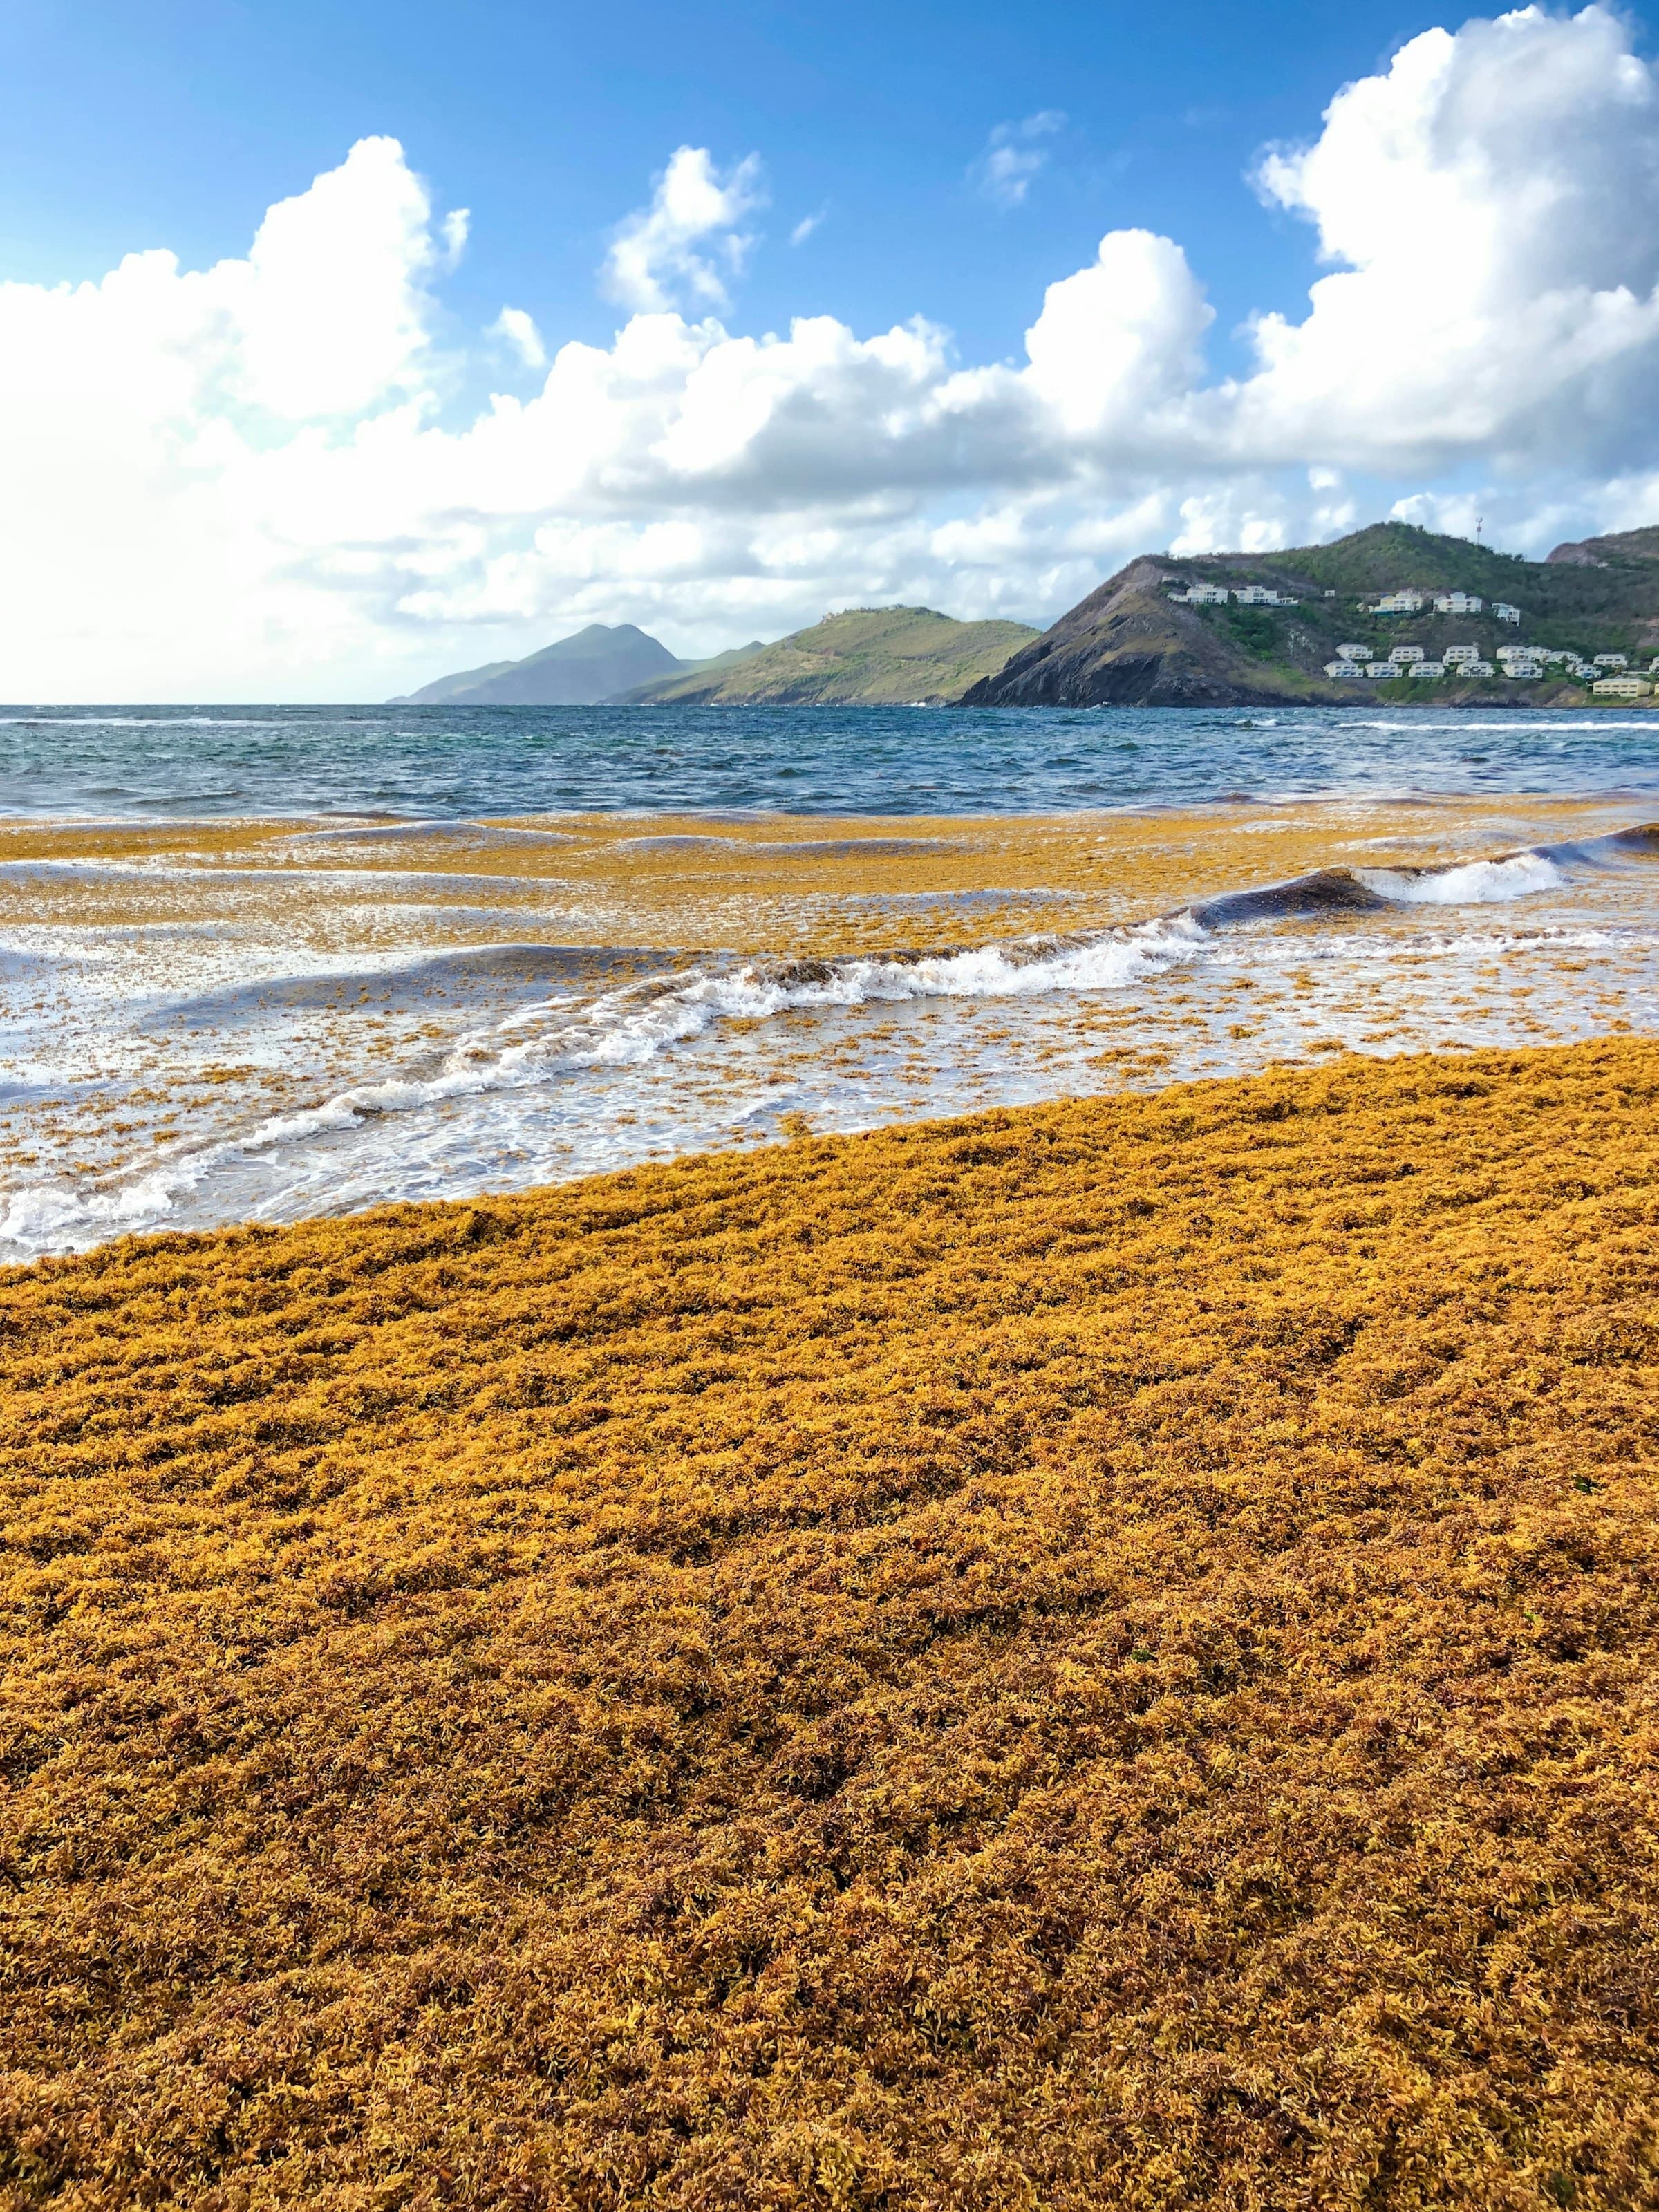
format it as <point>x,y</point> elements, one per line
<point>1098,1655</point>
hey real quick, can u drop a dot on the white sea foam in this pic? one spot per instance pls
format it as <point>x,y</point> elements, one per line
<point>371,832</point>
<point>628,1027</point>
<point>490,1092</point>
<point>141,722</point>
<point>1476,882</point>
<point>633,1024</point>
<point>1530,725</point>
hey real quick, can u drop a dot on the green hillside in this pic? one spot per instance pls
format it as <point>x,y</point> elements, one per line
<point>1619,591</point>
<point>869,657</point>
<point>1133,642</point>
<point>645,694</point>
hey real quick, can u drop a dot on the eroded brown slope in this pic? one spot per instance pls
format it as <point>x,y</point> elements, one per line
<point>1097,1656</point>
<point>1129,644</point>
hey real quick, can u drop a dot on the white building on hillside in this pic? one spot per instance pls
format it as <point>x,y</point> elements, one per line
<point>1202,595</point>
<point>1400,603</point>
<point>1379,670</point>
<point>1433,670</point>
<point>1504,612</point>
<point>1403,655</point>
<point>1354,651</point>
<point>1457,603</point>
<point>1622,687</point>
<point>1523,672</point>
<point>1613,661</point>
<point>1342,670</point>
<point>1259,595</point>
<point>1460,653</point>
<point>1473,668</point>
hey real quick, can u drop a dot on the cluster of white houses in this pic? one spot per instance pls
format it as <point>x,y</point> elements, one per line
<point>1391,602</point>
<point>1609,674</point>
<point>1443,603</point>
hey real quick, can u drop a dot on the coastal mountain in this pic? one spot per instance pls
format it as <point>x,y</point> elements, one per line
<point>868,657</point>
<point>1624,546</point>
<point>593,664</point>
<point>452,687</point>
<point>1133,642</point>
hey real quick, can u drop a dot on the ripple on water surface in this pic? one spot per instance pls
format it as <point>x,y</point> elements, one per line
<point>210,1021</point>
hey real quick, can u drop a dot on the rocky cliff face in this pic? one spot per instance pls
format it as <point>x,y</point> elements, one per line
<point>1602,552</point>
<point>1128,645</point>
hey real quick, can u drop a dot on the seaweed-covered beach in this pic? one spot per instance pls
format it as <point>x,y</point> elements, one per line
<point>1101,1654</point>
<point>203,1022</point>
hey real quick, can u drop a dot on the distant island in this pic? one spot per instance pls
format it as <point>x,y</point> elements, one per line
<point>1391,613</point>
<point>1321,624</point>
<point>581,670</point>
<point>865,657</point>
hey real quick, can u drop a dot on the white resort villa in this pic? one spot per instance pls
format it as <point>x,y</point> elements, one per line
<point>1216,595</point>
<point>1355,662</point>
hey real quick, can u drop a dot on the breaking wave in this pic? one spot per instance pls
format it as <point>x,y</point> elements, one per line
<point>625,1018</point>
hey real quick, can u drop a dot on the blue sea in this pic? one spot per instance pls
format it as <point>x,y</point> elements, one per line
<point>444,761</point>
<point>259,962</point>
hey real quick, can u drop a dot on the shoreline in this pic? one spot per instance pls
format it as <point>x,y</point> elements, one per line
<point>214,1021</point>
<point>1096,1641</point>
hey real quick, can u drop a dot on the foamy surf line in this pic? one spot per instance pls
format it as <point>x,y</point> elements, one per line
<point>568,1074</point>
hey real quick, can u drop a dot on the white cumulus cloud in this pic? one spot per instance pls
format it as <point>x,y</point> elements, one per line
<point>1013,154</point>
<point>1492,203</point>
<point>253,480</point>
<point>688,242</point>
<point>519,331</point>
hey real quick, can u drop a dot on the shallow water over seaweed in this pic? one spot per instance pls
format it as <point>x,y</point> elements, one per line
<point>206,1021</point>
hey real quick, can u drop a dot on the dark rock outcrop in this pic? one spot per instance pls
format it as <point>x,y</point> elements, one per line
<point>1129,645</point>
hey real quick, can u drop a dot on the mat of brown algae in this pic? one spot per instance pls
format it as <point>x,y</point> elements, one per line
<point>1098,1655</point>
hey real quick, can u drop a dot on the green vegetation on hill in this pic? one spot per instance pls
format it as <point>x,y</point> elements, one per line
<point>1133,642</point>
<point>869,656</point>
<point>729,658</point>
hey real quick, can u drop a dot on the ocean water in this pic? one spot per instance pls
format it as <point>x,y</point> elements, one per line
<point>260,963</point>
<point>153,761</point>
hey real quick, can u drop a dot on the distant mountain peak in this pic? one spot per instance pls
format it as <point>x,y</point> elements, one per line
<point>590,665</point>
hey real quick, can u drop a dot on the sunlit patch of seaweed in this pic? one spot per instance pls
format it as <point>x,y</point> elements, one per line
<point>1099,1656</point>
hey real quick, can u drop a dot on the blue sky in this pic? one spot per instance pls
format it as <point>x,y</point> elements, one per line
<point>177,123</point>
<point>1003,297</point>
